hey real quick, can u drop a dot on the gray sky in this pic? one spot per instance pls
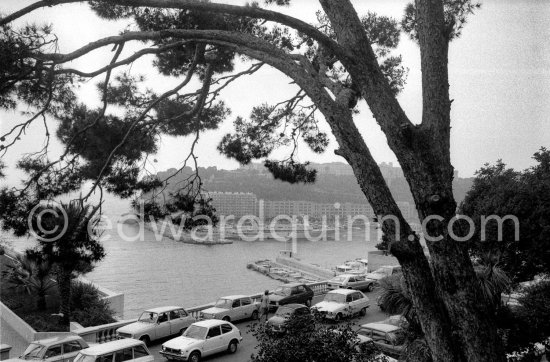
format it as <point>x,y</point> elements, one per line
<point>499,78</point>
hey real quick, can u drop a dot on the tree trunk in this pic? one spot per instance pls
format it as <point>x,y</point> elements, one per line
<point>41,300</point>
<point>448,298</point>
<point>64,287</point>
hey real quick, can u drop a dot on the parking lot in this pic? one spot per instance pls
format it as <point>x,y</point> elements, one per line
<point>246,348</point>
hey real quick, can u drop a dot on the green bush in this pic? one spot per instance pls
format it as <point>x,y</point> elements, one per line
<point>87,307</point>
<point>534,310</point>
<point>44,321</point>
<point>522,326</point>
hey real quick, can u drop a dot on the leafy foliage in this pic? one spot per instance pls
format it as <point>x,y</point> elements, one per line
<point>306,340</point>
<point>526,324</point>
<point>32,274</point>
<point>186,209</point>
<point>88,309</point>
<point>456,16</point>
<point>291,171</point>
<point>501,191</point>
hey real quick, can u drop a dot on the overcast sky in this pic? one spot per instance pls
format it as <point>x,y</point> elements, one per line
<point>499,78</point>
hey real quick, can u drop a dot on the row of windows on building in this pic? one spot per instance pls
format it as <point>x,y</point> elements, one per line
<point>240,204</point>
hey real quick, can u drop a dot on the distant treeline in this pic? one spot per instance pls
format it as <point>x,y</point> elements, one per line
<point>327,188</point>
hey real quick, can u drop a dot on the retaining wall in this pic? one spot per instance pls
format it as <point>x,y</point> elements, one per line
<point>17,324</point>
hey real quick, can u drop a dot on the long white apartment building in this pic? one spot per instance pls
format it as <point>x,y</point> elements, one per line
<point>246,203</point>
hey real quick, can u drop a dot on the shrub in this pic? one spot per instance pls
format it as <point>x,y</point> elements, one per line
<point>88,309</point>
<point>524,325</point>
<point>307,340</point>
<point>44,321</point>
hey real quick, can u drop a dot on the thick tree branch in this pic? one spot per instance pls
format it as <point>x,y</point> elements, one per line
<point>434,43</point>
<point>250,11</point>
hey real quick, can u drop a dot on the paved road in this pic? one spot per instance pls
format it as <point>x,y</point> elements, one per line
<point>246,348</point>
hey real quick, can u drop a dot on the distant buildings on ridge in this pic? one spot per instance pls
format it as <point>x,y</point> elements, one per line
<point>240,204</point>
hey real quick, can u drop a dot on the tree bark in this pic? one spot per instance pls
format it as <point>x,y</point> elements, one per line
<point>424,154</point>
<point>64,287</point>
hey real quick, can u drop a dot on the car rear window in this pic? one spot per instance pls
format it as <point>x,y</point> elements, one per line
<point>226,328</point>
<point>214,331</point>
<point>245,301</point>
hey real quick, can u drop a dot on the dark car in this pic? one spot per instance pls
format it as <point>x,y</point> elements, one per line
<point>291,293</point>
<point>277,323</point>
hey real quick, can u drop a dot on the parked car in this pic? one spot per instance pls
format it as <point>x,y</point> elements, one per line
<point>351,281</point>
<point>157,323</point>
<point>384,271</point>
<point>291,293</point>
<point>232,308</point>
<point>388,338</point>
<point>341,303</point>
<point>61,348</point>
<point>203,339</point>
<point>122,350</point>
<point>277,323</point>
<point>366,344</point>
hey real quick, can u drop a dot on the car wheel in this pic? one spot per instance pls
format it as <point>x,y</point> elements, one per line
<point>195,357</point>
<point>363,312</point>
<point>226,318</point>
<point>145,339</point>
<point>232,348</point>
<point>308,302</point>
<point>338,317</point>
<point>255,315</point>
<point>370,287</point>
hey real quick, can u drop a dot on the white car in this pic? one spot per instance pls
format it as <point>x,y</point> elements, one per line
<point>202,339</point>
<point>232,308</point>
<point>384,271</point>
<point>122,350</point>
<point>351,281</point>
<point>388,338</point>
<point>341,303</point>
<point>157,323</point>
<point>63,348</point>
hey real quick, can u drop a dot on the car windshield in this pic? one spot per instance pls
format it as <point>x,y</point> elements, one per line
<point>284,311</point>
<point>33,351</point>
<point>224,303</point>
<point>148,317</point>
<point>335,297</point>
<point>195,332</point>
<point>81,357</point>
<point>282,291</point>
<point>339,279</point>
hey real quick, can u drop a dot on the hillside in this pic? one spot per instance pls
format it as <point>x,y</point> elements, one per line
<point>328,188</point>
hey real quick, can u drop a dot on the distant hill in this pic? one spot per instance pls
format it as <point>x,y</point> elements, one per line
<point>328,188</point>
